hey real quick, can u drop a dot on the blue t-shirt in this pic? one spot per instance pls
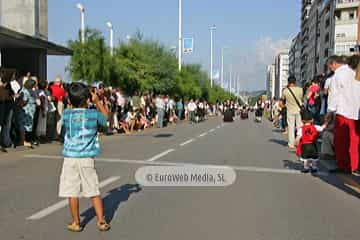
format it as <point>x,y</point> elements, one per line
<point>81,139</point>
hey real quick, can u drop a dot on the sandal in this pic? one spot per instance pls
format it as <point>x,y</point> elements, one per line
<point>103,226</point>
<point>75,227</point>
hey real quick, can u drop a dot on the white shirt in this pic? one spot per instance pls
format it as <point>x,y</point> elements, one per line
<point>328,82</point>
<point>160,104</point>
<point>120,99</point>
<point>344,93</point>
<point>192,106</point>
<point>15,86</point>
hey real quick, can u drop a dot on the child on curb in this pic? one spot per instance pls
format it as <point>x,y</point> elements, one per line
<point>306,143</point>
<point>78,177</point>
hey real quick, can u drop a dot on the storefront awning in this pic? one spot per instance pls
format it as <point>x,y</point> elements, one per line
<point>13,39</point>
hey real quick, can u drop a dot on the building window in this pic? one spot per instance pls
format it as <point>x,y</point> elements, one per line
<point>326,53</point>
<point>327,23</point>
<point>351,15</point>
<point>338,15</point>
<point>327,37</point>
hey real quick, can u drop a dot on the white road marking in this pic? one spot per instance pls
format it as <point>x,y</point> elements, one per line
<point>211,130</point>
<point>187,142</point>
<point>43,156</point>
<point>53,208</point>
<point>218,127</point>
<point>202,135</point>
<point>108,160</point>
<point>237,168</point>
<point>160,155</point>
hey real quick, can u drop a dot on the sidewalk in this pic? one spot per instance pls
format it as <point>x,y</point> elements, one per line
<point>346,182</point>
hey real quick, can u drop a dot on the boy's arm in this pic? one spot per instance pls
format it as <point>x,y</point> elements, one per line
<point>321,128</point>
<point>99,105</point>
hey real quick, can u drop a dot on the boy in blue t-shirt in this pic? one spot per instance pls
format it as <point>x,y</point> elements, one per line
<point>78,176</point>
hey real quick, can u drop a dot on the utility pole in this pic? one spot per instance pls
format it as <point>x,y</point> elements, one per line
<point>212,29</point>
<point>180,35</point>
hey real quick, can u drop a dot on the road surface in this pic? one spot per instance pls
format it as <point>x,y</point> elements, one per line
<point>270,198</point>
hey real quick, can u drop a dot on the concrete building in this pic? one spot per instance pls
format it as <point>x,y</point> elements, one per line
<point>305,29</point>
<point>326,38</point>
<point>312,49</point>
<point>295,58</point>
<point>24,41</point>
<point>281,72</point>
<point>347,26</point>
<point>270,83</point>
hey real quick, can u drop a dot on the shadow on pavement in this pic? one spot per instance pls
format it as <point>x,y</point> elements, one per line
<point>346,183</point>
<point>112,202</point>
<point>279,141</point>
<point>163,135</point>
<point>342,183</point>
<point>293,165</point>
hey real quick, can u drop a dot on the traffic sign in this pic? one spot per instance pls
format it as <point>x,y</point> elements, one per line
<point>188,45</point>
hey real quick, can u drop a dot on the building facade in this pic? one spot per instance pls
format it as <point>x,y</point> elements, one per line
<point>295,58</point>
<point>281,72</point>
<point>326,38</point>
<point>305,30</point>
<point>24,41</point>
<point>346,26</point>
<point>270,83</point>
<point>25,16</point>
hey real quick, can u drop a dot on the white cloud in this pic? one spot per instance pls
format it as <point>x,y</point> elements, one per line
<point>267,49</point>
<point>251,65</point>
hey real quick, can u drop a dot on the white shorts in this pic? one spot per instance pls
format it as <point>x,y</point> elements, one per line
<point>79,178</point>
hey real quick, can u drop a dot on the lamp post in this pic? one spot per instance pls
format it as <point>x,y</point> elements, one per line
<point>212,29</point>
<point>110,26</point>
<point>180,35</point>
<point>230,78</point>
<point>82,29</point>
<point>222,66</point>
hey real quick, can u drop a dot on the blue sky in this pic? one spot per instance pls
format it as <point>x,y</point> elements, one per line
<point>253,30</point>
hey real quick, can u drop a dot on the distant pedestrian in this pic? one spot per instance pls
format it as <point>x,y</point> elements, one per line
<point>79,177</point>
<point>180,108</point>
<point>160,106</point>
<point>259,110</point>
<point>192,110</point>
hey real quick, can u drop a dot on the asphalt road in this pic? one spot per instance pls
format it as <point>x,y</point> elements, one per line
<point>270,199</point>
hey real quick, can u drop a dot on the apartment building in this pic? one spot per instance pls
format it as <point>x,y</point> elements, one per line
<point>281,72</point>
<point>270,83</point>
<point>295,58</point>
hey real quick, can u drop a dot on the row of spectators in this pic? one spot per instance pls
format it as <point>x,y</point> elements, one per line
<point>332,99</point>
<point>31,110</point>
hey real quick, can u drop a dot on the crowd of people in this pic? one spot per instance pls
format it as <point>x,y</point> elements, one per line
<point>31,110</point>
<point>327,106</point>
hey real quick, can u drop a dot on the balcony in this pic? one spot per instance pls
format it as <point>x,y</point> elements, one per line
<point>343,4</point>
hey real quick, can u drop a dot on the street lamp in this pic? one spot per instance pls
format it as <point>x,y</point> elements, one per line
<point>212,29</point>
<point>82,11</point>
<point>180,35</point>
<point>222,66</point>
<point>231,71</point>
<point>110,26</point>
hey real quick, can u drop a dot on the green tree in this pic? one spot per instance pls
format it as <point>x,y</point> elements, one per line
<point>91,61</point>
<point>139,65</point>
